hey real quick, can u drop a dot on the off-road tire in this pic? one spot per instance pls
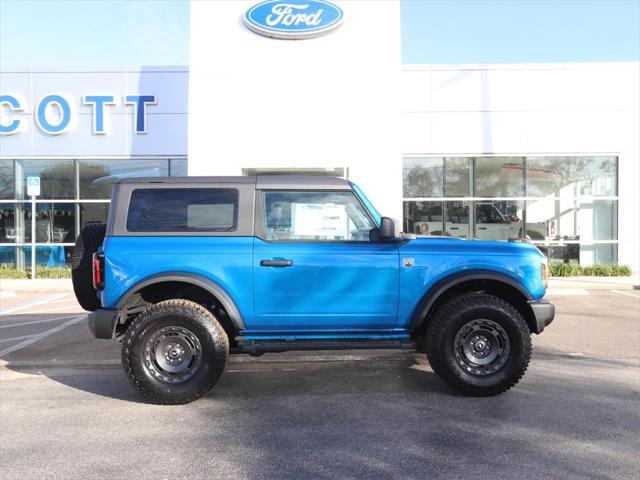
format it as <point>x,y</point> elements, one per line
<point>175,313</point>
<point>451,317</point>
<point>87,243</point>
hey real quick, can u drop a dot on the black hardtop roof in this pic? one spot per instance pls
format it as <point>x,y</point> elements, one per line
<point>260,181</point>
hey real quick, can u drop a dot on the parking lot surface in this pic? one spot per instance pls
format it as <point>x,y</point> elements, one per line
<point>67,411</point>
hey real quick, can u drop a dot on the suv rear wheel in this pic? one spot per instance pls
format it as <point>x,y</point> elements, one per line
<point>479,344</point>
<point>174,352</point>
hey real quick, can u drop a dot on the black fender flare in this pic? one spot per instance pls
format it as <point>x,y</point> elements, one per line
<point>198,280</point>
<point>431,296</point>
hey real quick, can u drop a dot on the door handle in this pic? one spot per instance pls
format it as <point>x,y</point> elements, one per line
<point>482,228</point>
<point>276,263</point>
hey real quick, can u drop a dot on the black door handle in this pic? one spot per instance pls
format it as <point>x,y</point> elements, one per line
<point>276,263</point>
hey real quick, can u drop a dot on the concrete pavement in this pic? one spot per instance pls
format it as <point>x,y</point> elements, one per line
<point>66,410</point>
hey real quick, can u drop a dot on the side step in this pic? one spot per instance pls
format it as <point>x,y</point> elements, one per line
<point>262,346</point>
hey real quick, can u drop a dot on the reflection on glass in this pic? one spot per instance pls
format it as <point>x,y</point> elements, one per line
<point>498,220</point>
<point>422,177</point>
<point>51,256</point>
<point>457,174</point>
<point>423,218</point>
<point>9,231</point>
<point>6,179</point>
<point>93,213</point>
<point>97,176</point>
<point>57,178</point>
<point>457,219</point>
<point>55,223</point>
<point>571,176</point>
<point>585,221</point>
<point>8,256</point>
<point>499,176</point>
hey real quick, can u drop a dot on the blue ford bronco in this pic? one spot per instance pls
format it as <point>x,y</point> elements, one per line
<point>189,270</point>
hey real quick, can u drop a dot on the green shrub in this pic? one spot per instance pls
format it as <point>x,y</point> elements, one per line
<point>42,271</point>
<point>598,270</point>
<point>565,269</point>
<point>9,272</point>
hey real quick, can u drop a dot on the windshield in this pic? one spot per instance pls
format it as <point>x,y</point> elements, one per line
<point>376,215</point>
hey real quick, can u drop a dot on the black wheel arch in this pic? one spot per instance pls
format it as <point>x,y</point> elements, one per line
<point>499,284</point>
<point>204,284</point>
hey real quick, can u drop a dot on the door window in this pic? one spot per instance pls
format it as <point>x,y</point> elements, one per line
<point>316,216</point>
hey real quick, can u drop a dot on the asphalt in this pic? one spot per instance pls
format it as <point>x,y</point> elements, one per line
<point>66,410</point>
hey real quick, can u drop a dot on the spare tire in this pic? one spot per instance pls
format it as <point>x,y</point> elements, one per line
<point>87,243</point>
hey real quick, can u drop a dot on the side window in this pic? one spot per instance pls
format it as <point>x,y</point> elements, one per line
<point>314,215</point>
<point>183,210</point>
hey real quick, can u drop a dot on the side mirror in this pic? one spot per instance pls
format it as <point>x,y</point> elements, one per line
<point>387,228</point>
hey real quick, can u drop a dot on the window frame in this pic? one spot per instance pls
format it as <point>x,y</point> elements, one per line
<point>260,212</point>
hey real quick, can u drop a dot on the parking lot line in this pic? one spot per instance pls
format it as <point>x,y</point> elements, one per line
<point>13,339</point>
<point>40,336</point>
<point>47,299</point>
<point>35,322</point>
<point>626,293</point>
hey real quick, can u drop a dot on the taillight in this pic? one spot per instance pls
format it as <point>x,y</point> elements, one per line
<point>98,271</point>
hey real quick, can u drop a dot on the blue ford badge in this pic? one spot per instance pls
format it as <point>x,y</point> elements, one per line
<point>293,19</point>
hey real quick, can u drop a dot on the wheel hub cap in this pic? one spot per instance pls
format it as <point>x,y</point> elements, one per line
<point>481,347</point>
<point>173,354</point>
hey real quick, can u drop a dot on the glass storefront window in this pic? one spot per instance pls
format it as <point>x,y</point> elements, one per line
<point>57,178</point>
<point>423,177</point>
<point>423,218</point>
<point>97,176</point>
<point>51,256</point>
<point>562,210</point>
<point>498,219</point>
<point>9,230</point>
<point>93,213</point>
<point>6,179</point>
<point>457,219</point>
<point>55,223</point>
<point>571,176</point>
<point>457,177</point>
<point>499,177</point>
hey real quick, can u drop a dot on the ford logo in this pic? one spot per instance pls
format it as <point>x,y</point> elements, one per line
<point>293,19</point>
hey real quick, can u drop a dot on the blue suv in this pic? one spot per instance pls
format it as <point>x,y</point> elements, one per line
<point>189,270</point>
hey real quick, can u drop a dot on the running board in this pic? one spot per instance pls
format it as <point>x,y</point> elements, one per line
<point>262,346</point>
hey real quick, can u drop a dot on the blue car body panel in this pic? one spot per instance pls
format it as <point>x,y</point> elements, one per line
<point>330,287</point>
<point>435,259</point>
<point>227,261</point>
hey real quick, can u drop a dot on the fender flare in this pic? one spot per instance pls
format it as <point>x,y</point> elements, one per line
<point>198,280</point>
<point>432,295</point>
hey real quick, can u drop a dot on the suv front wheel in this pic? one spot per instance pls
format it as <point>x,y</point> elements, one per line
<point>174,352</point>
<point>479,344</point>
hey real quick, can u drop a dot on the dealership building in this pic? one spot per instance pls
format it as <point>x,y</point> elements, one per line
<point>548,152</point>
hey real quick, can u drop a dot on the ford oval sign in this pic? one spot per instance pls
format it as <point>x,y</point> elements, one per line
<point>293,19</point>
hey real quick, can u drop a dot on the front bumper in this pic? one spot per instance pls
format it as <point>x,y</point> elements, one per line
<point>543,312</point>
<point>102,323</point>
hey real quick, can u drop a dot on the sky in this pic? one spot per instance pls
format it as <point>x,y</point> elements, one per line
<point>116,33</point>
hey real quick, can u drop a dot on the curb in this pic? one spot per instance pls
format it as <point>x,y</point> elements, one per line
<point>37,285</point>
<point>595,283</point>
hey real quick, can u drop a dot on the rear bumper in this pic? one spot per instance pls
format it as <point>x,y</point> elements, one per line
<point>544,313</point>
<point>102,323</point>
